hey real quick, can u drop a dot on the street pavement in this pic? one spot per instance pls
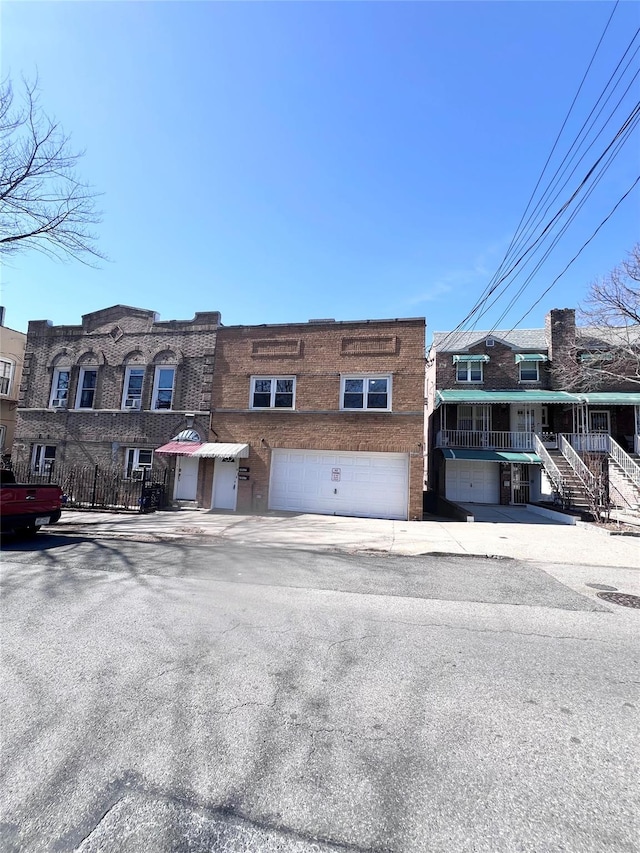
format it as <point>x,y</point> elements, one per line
<point>196,694</point>
<point>522,537</point>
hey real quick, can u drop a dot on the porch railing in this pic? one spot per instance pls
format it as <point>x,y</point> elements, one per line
<point>550,467</point>
<point>576,462</point>
<point>603,443</point>
<point>489,440</point>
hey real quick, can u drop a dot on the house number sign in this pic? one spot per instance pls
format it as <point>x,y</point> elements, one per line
<point>335,474</point>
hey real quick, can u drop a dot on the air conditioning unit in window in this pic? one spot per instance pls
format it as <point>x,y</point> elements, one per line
<point>132,403</point>
<point>137,474</point>
<point>59,404</point>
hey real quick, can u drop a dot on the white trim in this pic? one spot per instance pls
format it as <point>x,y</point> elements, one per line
<point>84,370</point>
<point>9,377</point>
<point>57,398</point>
<point>470,366</point>
<point>272,393</point>
<point>39,458</point>
<point>345,377</point>
<point>126,395</point>
<point>132,454</point>
<point>157,389</point>
<point>528,365</point>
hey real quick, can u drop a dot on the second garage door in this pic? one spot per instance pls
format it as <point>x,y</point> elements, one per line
<point>369,485</point>
<point>473,482</point>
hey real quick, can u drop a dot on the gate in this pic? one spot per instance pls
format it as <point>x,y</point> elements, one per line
<point>520,483</point>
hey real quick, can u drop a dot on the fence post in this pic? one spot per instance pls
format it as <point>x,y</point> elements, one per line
<point>95,486</point>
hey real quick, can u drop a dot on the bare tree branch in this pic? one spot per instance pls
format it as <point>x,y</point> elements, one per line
<point>606,353</point>
<point>43,204</point>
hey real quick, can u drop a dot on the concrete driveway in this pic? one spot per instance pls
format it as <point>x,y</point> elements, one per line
<point>496,514</point>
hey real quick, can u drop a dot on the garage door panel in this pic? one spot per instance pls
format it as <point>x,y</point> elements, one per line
<point>365,484</point>
<point>472,482</point>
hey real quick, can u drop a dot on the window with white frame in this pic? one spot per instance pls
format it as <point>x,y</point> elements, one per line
<point>163,383</point>
<point>469,371</point>
<point>43,458</point>
<point>273,392</point>
<point>132,393</point>
<point>366,392</point>
<point>87,382</point>
<point>544,418</point>
<point>137,460</point>
<point>529,371</point>
<point>3,434</point>
<point>6,375</point>
<point>60,388</point>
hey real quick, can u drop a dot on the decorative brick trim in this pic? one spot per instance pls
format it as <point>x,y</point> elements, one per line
<point>378,345</point>
<point>269,348</point>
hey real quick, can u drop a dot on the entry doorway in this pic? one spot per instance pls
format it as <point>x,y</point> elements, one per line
<point>186,481</point>
<point>224,493</point>
<point>520,484</point>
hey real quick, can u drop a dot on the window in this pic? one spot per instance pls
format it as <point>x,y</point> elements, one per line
<point>6,375</point>
<point>136,462</point>
<point>474,418</point>
<point>3,432</point>
<point>544,418</point>
<point>366,392</point>
<point>87,381</point>
<point>469,371</point>
<point>272,392</point>
<point>163,387</point>
<point>43,458</point>
<point>133,380</point>
<point>60,389</point>
<point>529,371</point>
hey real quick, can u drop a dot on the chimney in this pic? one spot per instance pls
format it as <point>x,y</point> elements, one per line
<point>1,315</point>
<point>560,332</point>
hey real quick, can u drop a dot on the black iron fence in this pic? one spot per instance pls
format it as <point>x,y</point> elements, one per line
<point>101,487</point>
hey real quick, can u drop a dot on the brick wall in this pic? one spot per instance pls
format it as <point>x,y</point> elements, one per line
<point>112,339</point>
<point>317,355</point>
<point>500,373</point>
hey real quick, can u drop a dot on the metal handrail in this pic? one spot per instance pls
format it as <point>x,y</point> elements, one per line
<point>576,462</point>
<point>630,468</point>
<point>550,466</point>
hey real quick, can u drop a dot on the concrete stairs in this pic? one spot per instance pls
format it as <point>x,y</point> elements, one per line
<point>575,493</point>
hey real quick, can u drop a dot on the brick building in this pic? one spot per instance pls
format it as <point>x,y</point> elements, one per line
<point>12,344</point>
<point>113,389</point>
<point>500,424</point>
<point>321,417</point>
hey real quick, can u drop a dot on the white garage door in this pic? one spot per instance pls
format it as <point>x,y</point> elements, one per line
<point>473,482</point>
<point>369,485</point>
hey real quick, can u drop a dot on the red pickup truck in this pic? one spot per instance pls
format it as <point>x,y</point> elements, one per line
<point>25,507</point>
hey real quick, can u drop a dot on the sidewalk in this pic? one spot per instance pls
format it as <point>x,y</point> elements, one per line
<point>542,541</point>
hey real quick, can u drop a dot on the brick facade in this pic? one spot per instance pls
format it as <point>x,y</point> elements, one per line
<point>318,354</point>
<point>111,340</point>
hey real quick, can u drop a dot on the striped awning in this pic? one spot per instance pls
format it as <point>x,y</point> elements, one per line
<point>179,448</point>
<point>458,358</point>
<point>222,450</point>
<point>530,356</point>
<point>492,456</point>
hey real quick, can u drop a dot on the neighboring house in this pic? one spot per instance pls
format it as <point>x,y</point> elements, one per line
<point>12,345</point>
<point>501,429</point>
<point>323,417</point>
<point>113,389</point>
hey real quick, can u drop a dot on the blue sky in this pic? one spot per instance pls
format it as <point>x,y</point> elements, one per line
<point>283,161</point>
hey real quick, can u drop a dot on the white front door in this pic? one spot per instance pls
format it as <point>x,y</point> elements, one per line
<point>225,482</point>
<point>186,485</point>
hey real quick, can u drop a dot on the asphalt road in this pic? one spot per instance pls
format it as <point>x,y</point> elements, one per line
<point>181,697</point>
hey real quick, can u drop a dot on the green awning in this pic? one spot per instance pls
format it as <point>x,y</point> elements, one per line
<point>610,398</point>
<point>458,358</point>
<point>530,356</point>
<point>524,398</point>
<point>588,357</point>
<point>492,456</point>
